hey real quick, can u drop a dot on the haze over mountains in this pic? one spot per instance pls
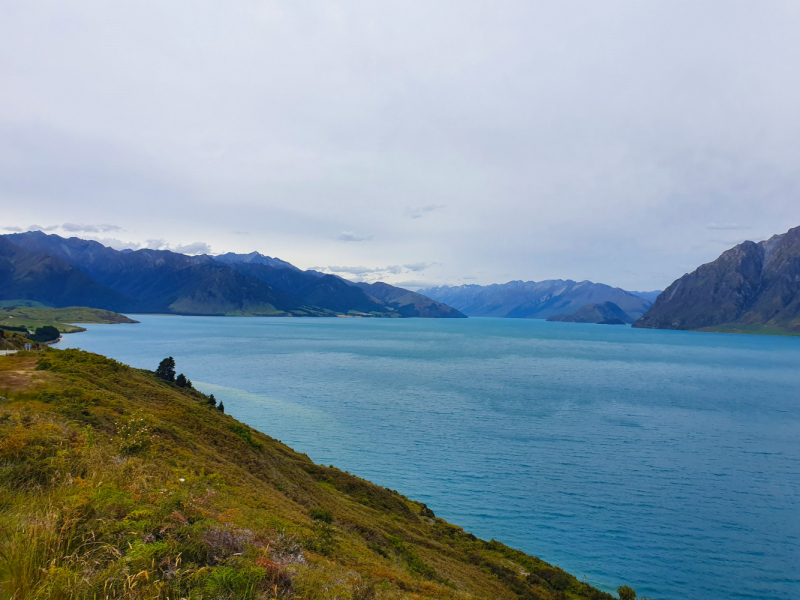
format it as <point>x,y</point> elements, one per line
<point>750,285</point>
<point>536,300</point>
<point>63,272</point>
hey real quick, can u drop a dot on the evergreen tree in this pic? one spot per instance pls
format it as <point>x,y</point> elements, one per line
<point>166,369</point>
<point>182,382</point>
<point>221,407</point>
<point>212,401</point>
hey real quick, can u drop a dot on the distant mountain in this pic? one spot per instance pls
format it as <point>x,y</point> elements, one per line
<point>33,276</point>
<point>534,300</point>
<point>152,281</point>
<point>751,285</point>
<point>409,304</point>
<point>606,313</point>
<point>254,258</point>
<point>649,296</point>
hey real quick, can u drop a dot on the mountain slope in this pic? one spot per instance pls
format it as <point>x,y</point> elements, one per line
<point>117,484</point>
<point>534,300</point>
<point>752,284</point>
<point>26,275</point>
<point>605,313</point>
<point>409,304</point>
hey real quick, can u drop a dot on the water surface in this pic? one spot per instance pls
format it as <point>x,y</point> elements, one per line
<point>668,461</point>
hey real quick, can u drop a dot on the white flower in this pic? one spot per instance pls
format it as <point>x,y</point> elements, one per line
<point>181,480</point>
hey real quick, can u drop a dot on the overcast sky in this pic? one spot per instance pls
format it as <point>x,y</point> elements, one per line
<point>415,142</point>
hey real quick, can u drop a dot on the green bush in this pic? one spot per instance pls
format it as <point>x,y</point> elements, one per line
<point>320,514</point>
<point>626,593</point>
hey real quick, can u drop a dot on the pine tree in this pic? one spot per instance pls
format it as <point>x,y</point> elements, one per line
<point>181,381</point>
<point>212,401</point>
<point>166,369</point>
<point>221,407</point>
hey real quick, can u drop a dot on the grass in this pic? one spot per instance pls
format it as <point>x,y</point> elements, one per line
<point>116,484</point>
<point>33,317</point>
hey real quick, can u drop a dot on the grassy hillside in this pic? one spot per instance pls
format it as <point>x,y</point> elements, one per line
<point>61,318</point>
<point>116,484</point>
<point>14,340</point>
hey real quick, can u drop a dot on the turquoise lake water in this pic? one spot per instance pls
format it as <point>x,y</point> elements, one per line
<point>667,461</point>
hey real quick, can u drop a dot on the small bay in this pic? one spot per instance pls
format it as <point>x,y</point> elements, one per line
<point>665,460</point>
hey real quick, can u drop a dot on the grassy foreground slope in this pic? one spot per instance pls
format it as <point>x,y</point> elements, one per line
<point>116,484</point>
<point>63,319</point>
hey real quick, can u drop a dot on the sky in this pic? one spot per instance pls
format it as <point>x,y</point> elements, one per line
<point>419,143</point>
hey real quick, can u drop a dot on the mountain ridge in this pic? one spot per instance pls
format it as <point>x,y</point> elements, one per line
<point>751,285</point>
<point>534,300</point>
<point>162,281</point>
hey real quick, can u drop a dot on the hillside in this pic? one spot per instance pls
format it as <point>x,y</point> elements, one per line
<point>606,313</point>
<point>63,319</point>
<point>117,484</point>
<point>752,288</point>
<point>534,300</point>
<point>161,281</point>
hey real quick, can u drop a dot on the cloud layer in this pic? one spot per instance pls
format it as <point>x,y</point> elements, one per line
<point>609,141</point>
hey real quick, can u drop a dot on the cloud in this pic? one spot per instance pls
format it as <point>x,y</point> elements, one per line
<point>416,267</point>
<point>14,229</point>
<point>726,226</point>
<point>40,228</point>
<point>349,236</point>
<point>119,244</point>
<point>193,248</point>
<point>394,269</point>
<point>240,232</point>
<point>421,211</point>
<point>74,227</point>
<point>351,270</point>
<point>156,244</point>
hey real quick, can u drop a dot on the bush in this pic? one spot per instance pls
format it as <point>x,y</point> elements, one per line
<point>183,382</point>
<point>626,593</point>
<point>320,514</point>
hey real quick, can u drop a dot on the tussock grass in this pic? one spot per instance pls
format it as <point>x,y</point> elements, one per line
<point>116,484</point>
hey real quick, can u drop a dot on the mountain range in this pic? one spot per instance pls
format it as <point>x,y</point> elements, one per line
<point>537,300</point>
<point>62,272</point>
<point>751,286</point>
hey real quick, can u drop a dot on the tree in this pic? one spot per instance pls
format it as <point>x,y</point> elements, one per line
<point>626,593</point>
<point>166,369</point>
<point>221,407</point>
<point>48,333</point>
<point>212,401</point>
<point>181,381</point>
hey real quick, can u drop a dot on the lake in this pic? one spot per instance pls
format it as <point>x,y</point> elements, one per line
<point>668,461</point>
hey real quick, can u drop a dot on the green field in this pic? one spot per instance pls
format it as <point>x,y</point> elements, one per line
<point>118,484</point>
<point>33,317</point>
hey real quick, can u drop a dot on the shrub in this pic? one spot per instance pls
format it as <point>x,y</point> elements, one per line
<point>183,382</point>
<point>626,593</point>
<point>320,514</point>
<point>244,432</point>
